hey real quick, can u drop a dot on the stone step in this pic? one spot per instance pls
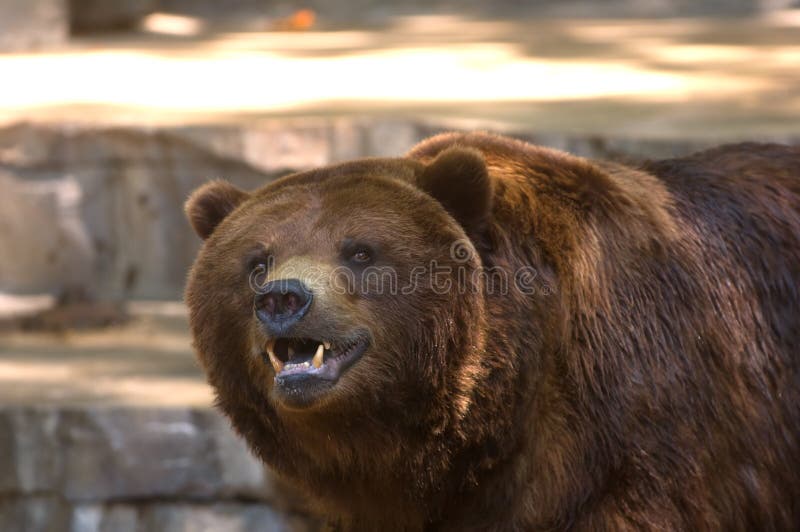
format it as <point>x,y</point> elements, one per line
<point>124,469</point>
<point>114,430</point>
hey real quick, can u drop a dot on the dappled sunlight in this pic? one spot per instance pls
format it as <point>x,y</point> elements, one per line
<point>439,62</point>
<point>632,31</point>
<point>33,372</point>
<point>662,77</point>
<point>73,382</point>
<point>784,18</point>
<point>244,80</point>
<point>697,53</point>
<point>169,24</point>
<point>288,42</point>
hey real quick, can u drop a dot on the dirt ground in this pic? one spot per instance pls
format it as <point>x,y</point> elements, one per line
<point>665,78</point>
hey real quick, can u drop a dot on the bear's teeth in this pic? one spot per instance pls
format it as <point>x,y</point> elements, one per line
<point>317,361</point>
<point>290,352</point>
<point>276,363</point>
<point>327,345</point>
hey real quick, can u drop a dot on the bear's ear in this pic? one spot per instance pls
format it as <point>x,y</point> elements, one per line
<point>210,204</point>
<point>459,180</point>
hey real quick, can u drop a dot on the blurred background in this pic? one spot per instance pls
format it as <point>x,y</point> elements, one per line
<point>111,112</point>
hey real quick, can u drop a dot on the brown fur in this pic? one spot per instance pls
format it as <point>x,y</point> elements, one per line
<point>651,381</point>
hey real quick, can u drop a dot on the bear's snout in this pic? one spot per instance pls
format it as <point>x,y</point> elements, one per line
<point>281,303</point>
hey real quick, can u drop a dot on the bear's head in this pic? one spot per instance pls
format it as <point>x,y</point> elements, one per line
<point>342,299</point>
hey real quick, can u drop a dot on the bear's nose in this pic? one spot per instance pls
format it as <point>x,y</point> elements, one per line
<point>282,303</point>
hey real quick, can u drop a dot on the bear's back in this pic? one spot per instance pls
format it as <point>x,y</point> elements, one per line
<point>744,200</point>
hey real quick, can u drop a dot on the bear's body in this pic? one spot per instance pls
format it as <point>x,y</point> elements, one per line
<point>626,358</point>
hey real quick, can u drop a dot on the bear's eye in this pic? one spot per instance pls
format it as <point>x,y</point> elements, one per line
<point>361,256</point>
<point>357,253</point>
<point>258,260</point>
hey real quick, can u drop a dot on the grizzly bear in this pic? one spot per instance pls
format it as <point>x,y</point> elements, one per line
<point>491,335</point>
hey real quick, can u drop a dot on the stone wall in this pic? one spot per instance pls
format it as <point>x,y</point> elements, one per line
<point>102,209</point>
<point>93,469</point>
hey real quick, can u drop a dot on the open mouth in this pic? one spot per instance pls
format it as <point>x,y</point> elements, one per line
<point>309,357</point>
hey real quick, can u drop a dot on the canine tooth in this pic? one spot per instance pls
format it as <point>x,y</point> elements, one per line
<point>276,363</point>
<point>291,352</point>
<point>327,345</point>
<point>317,361</point>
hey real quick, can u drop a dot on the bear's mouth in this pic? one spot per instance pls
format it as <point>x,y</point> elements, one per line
<point>322,359</point>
